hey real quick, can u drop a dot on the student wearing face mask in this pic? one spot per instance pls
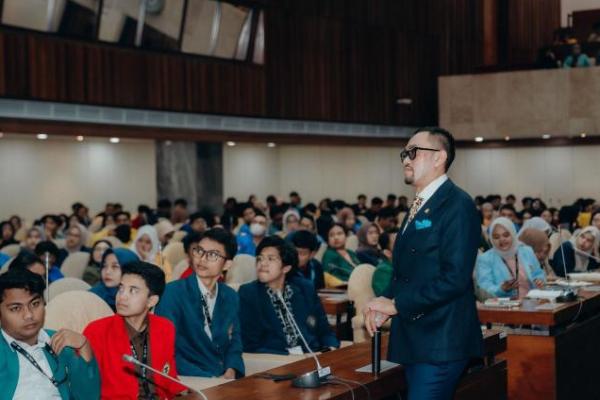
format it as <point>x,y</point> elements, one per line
<point>258,230</point>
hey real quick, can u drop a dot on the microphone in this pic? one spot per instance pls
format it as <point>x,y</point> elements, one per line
<point>47,266</point>
<point>133,360</point>
<point>376,352</point>
<point>568,293</point>
<point>311,379</point>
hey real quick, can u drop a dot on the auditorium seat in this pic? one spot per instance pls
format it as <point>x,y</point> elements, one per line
<point>75,310</point>
<point>66,284</point>
<point>178,236</point>
<point>243,269</point>
<point>352,242</point>
<point>11,250</point>
<point>74,265</point>
<point>321,252</point>
<point>174,253</point>
<point>116,243</point>
<point>179,269</point>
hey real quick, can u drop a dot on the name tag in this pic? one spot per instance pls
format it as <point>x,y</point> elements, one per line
<point>296,351</point>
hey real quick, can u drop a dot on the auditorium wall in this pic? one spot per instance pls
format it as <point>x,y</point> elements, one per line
<point>42,176</point>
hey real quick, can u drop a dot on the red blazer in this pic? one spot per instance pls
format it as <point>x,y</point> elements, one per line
<point>109,341</point>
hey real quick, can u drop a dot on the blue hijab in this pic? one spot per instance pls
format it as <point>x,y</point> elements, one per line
<point>109,294</point>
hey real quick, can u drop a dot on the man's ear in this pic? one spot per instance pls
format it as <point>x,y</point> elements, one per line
<point>227,265</point>
<point>441,157</point>
<point>286,269</point>
<point>153,301</point>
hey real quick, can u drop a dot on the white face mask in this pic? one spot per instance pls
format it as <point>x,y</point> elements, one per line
<point>257,229</point>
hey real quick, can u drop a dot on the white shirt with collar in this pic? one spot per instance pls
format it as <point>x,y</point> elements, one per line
<point>210,302</point>
<point>430,189</point>
<point>32,384</point>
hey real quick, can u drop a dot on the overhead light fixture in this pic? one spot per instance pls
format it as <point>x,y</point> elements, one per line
<point>479,139</point>
<point>114,140</point>
<point>42,136</point>
<point>507,138</point>
<point>271,144</point>
<point>546,136</point>
<point>583,135</point>
<point>168,143</point>
<point>80,138</point>
<point>405,101</point>
<point>230,144</point>
<point>1,135</point>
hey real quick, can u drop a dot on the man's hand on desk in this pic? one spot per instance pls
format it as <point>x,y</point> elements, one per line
<point>377,311</point>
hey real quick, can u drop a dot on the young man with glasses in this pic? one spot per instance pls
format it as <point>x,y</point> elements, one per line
<point>266,325</point>
<point>430,298</point>
<point>205,312</point>
<point>37,363</point>
<point>134,331</point>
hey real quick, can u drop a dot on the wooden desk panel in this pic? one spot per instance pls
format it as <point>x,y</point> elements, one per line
<point>343,364</point>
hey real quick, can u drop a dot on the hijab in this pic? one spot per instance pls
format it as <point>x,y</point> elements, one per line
<point>510,227</point>
<point>149,231</point>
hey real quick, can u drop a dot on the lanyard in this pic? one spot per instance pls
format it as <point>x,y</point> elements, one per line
<point>143,360</point>
<point>206,310</point>
<point>37,366</point>
<point>516,274</point>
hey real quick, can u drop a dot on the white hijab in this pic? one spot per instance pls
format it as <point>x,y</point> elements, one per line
<point>510,227</point>
<point>149,231</point>
<point>581,257</point>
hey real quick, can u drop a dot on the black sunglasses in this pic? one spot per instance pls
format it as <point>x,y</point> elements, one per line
<point>412,152</point>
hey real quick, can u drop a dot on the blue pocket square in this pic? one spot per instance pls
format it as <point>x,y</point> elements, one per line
<point>423,224</point>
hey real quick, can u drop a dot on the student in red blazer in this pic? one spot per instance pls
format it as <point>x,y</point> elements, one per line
<point>134,328</point>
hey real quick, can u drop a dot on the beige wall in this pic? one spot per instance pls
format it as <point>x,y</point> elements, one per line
<point>557,174</point>
<point>48,176</point>
<point>521,104</point>
<point>568,6</point>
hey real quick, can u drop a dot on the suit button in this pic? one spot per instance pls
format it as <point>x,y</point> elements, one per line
<point>413,250</point>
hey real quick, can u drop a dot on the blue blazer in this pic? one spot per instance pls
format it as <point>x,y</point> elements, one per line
<point>491,272</point>
<point>432,282</point>
<point>557,260</point>
<point>83,377</point>
<point>262,331</point>
<point>196,354</point>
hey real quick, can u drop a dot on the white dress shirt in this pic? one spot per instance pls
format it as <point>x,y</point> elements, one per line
<point>430,189</point>
<point>32,384</point>
<point>210,302</point>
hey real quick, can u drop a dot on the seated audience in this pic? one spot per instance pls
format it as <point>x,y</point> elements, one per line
<point>51,225</point>
<point>376,205</point>
<point>7,234</point>
<point>347,219</point>
<point>190,244</point>
<point>386,219</point>
<point>596,219</point>
<point>91,274</point>
<point>338,262</point>
<point>361,205</point>
<point>147,247</point>
<point>579,253</point>
<point>164,230</point>
<point>307,245</point>
<point>75,240</point>
<point>291,222</point>
<point>32,237</point>
<point>198,223</point>
<point>205,312</point>
<point>265,324</point>
<point>509,268</point>
<point>110,274</point>
<point>577,59</point>
<point>595,35</point>
<point>368,251</point>
<point>36,363</point>
<point>248,214</point>
<point>540,243</point>
<point>30,261</point>
<point>135,331</point>
<point>47,251</point>
<point>384,269</point>
<point>258,230</point>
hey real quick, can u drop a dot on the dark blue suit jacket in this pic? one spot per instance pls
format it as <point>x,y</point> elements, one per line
<point>432,283</point>
<point>195,353</point>
<point>569,253</point>
<point>262,331</point>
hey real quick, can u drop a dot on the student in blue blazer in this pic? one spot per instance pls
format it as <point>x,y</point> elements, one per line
<point>435,329</point>
<point>37,363</point>
<point>266,326</point>
<point>509,268</point>
<point>579,253</point>
<point>205,312</point>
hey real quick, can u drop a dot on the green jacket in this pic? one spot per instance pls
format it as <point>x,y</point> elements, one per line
<point>337,267</point>
<point>382,277</point>
<point>83,377</point>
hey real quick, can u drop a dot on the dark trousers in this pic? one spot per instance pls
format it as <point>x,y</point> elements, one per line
<point>433,381</point>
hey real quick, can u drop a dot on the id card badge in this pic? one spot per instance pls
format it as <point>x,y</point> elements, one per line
<point>296,351</point>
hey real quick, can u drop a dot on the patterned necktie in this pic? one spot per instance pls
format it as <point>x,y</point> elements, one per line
<point>413,210</point>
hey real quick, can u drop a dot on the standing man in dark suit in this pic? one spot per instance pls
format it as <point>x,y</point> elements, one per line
<point>435,329</point>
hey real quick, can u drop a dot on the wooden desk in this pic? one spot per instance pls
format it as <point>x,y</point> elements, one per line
<point>488,382</point>
<point>551,354</point>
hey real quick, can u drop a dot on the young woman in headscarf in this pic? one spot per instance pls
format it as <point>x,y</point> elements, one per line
<point>147,247</point>
<point>75,240</point>
<point>347,218</point>
<point>91,273</point>
<point>539,242</point>
<point>509,268</point>
<point>580,253</point>
<point>368,251</point>
<point>291,222</point>
<point>111,263</point>
<point>32,237</point>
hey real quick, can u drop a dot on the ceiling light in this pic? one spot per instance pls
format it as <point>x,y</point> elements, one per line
<point>546,136</point>
<point>115,140</point>
<point>1,135</point>
<point>583,135</point>
<point>42,136</point>
<point>230,144</point>
<point>271,144</point>
<point>479,139</point>
<point>80,138</point>
<point>507,138</point>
